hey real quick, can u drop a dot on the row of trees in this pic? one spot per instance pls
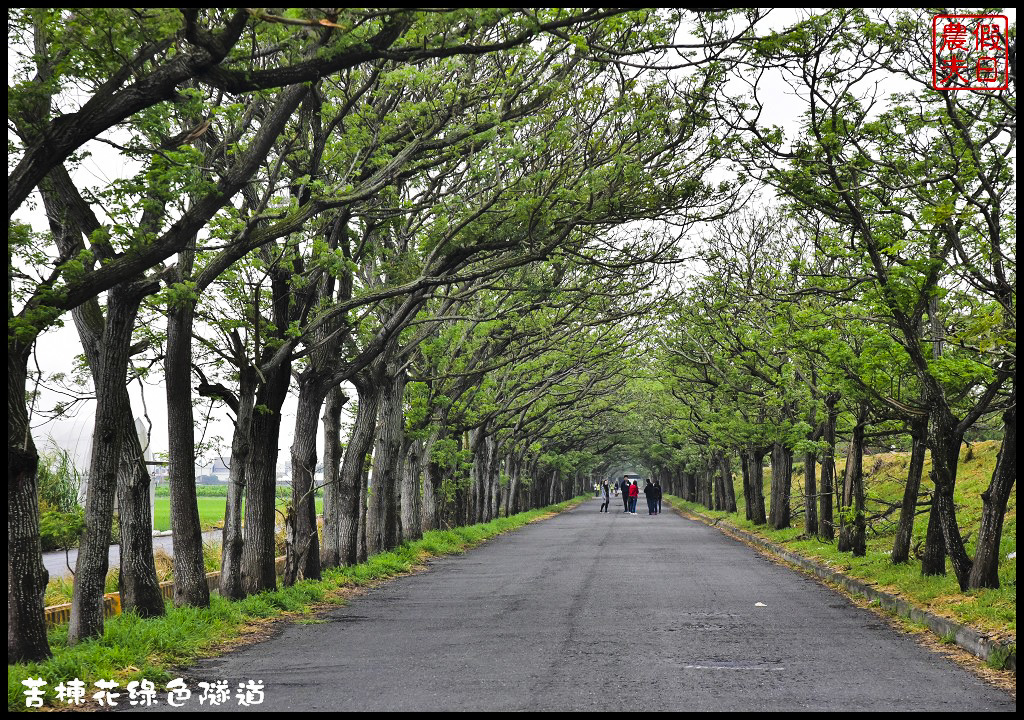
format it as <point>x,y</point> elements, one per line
<point>878,294</point>
<point>437,208</point>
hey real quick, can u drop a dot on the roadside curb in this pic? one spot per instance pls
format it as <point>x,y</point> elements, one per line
<point>967,638</point>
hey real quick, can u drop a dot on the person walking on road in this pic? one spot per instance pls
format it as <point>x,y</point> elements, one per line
<point>625,494</point>
<point>634,493</point>
<point>605,497</point>
<point>649,495</point>
<point>657,497</point>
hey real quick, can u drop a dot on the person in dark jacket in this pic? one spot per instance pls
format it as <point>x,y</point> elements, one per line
<point>657,497</point>
<point>624,486</point>
<point>649,495</point>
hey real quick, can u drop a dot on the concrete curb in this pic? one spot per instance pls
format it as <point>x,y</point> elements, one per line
<point>967,638</point>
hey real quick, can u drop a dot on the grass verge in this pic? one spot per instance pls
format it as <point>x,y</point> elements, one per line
<point>135,649</point>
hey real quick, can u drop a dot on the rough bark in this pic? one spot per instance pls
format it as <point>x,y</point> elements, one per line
<point>190,586</point>
<point>748,494</point>
<point>728,488</point>
<point>826,521</point>
<point>494,465</point>
<point>944,442</point>
<point>302,551</point>
<point>136,581</point>
<point>431,484</point>
<point>779,514</point>
<point>342,538</point>
<point>706,485</point>
<point>241,450</point>
<point>336,399</point>
<point>486,458</point>
<point>26,574</point>
<point>755,462</point>
<point>108,437</point>
<point>412,524</point>
<point>515,468</point>
<point>985,569</point>
<point>362,554</point>
<point>385,512</point>
<point>905,526</point>
<point>852,523</point>
<point>810,495</point>
<point>933,561</point>
<point>259,548</point>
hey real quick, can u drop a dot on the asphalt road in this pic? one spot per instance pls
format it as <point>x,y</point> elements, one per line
<point>589,611</point>
<point>57,564</point>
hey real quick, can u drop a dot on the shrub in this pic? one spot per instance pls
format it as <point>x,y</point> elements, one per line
<point>59,482</point>
<point>60,530</point>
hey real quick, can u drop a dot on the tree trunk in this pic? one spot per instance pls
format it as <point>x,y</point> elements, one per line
<point>826,521</point>
<point>715,483</point>
<point>729,489</point>
<point>748,499</point>
<point>190,586</point>
<point>302,551</point>
<point>431,484</point>
<point>933,562</point>
<point>384,513</point>
<point>336,399</point>
<point>412,524</point>
<point>136,581</point>
<point>944,441</point>
<point>755,458</point>
<point>852,523</point>
<point>781,486</point>
<point>344,535</point>
<point>259,548</point>
<point>362,554</point>
<point>26,574</point>
<point>702,486</point>
<point>985,569</point>
<point>488,480</point>
<point>811,482</point>
<point>241,449</point>
<point>810,495</point>
<point>515,467</point>
<point>108,438</point>
<point>905,526</point>
<point>494,468</point>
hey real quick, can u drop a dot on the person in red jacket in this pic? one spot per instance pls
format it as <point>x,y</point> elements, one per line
<point>634,493</point>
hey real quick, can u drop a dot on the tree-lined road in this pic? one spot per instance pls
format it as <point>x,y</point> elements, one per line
<point>589,611</point>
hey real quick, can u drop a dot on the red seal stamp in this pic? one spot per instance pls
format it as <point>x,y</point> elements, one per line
<point>970,52</point>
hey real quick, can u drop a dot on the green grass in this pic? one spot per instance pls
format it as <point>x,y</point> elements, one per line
<point>59,589</point>
<point>211,511</point>
<point>989,611</point>
<point>136,649</point>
